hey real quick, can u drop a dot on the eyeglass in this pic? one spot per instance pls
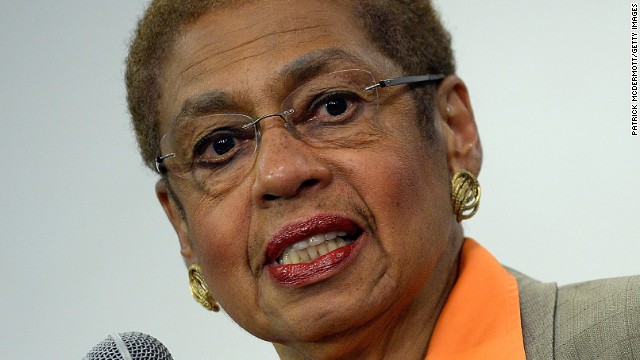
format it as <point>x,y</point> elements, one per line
<point>332,110</point>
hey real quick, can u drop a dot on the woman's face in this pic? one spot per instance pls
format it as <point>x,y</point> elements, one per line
<point>388,192</point>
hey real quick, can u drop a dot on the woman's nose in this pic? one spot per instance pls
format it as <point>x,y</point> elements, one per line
<point>286,167</point>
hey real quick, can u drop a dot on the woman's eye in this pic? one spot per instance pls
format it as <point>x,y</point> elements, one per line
<point>217,147</point>
<point>223,145</point>
<point>335,107</point>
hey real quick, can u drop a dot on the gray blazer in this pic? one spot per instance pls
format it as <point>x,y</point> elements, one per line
<point>591,320</point>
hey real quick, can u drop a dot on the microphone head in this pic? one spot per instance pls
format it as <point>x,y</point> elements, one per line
<point>129,346</point>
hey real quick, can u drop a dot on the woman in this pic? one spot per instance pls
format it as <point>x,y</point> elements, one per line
<point>317,204</point>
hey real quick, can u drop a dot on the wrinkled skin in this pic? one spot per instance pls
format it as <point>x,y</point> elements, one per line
<point>395,185</point>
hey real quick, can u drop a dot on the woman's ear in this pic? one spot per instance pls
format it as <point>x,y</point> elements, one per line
<point>177,219</point>
<point>459,129</point>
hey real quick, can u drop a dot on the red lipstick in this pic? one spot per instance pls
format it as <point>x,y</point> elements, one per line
<point>324,266</point>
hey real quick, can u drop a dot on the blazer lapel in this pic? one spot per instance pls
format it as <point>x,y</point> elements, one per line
<point>537,312</point>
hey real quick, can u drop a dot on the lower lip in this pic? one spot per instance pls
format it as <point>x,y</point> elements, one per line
<point>301,274</point>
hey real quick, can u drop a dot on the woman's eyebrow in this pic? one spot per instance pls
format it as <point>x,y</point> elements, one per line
<point>313,63</point>
<point>206,104</point>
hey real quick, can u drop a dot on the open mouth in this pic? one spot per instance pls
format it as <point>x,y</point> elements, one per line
<point>310,249</point>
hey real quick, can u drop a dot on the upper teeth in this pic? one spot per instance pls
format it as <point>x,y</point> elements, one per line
<point>318,239</point>
<point>313,247</point>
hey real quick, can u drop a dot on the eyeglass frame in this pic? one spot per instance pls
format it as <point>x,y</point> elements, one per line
<point>401,80</point>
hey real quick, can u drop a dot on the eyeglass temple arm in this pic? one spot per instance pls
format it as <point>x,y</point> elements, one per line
<point>405,80</point>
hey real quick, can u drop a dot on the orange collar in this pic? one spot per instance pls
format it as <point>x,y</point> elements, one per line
<point>481,318</point>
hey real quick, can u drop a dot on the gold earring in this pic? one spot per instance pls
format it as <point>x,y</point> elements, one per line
<point>465,194</point>
<point>199,289</point>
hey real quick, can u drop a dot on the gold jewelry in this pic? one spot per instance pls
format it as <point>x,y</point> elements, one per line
<point>199,289</point>
<point>465,194</point>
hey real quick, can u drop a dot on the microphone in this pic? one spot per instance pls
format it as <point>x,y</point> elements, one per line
<point>129,346</point>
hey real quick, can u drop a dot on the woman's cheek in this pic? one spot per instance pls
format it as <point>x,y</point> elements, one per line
<point>219,235</point>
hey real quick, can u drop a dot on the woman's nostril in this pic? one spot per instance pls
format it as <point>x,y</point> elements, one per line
<point>309,183</point>
<point>305,184</point>
<point>270,197</point>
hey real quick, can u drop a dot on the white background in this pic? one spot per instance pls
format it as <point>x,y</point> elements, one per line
<point>87,251</point>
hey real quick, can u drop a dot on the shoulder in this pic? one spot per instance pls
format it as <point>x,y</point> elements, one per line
<point>591,320</point>
<point>599,319</point>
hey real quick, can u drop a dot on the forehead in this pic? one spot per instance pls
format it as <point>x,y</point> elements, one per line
<point>250,51</point>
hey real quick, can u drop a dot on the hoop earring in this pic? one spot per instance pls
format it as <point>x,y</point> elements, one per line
<point>465,195</point>
<point>199,289</point>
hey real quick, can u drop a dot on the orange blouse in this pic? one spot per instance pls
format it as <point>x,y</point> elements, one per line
<point>481,318</point>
